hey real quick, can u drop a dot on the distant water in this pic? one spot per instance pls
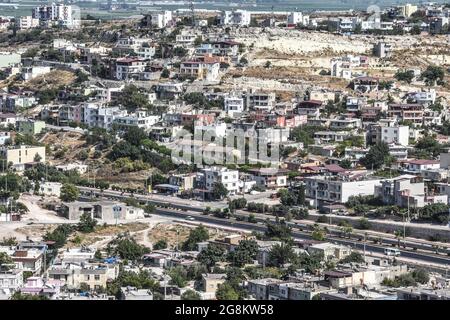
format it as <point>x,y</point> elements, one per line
<point>24,7</point>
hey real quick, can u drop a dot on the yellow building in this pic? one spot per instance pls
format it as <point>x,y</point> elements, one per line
<point>408,9</point>
<point>21,155</point>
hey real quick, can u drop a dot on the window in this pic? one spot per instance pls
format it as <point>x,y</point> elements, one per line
<point>97,277</point>
<point>86,277</point>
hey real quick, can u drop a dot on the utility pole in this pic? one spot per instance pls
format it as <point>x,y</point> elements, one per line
<point>317,189</point>
<point>365,233</point>
<point>404,227</point>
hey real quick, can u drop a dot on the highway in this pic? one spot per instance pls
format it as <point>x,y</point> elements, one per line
<point>183,211</point>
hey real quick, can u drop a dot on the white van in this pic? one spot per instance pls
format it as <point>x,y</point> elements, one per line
<point>392,252</point>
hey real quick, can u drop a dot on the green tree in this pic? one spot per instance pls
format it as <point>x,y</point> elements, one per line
<point>219,191</point>
<point>363,224</point>
<point>178,276</point>
<point>127,248</point>
<point>226,292</point>
<point>244,253</point>
<point>421,275</point>
<point>87,223</point>
<point>281,254</point>
<point>190,295</point>
<point>211,255</point>
<point>406,76</point>
<point>353,257</point>
<point>433,75</point>
<point>69,192</point>
<point>160,244</point>
<point>196,235</point>
<point>377,156</point>
<point>165,73</point>
<point>278,231</point>
<point>6,262</point>
<point>25,296</point>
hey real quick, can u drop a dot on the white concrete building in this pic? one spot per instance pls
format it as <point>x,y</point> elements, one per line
<point>200,69</point>
<point>397,134</point>
<point>4,137</point>
<point>236,17</point>
<point>129,68</point>
<point>141,119</point>
<point>338,190</point>
<point>161,19</point>
<point>50,188</point>
<point>57,14</point>
<point>27,22</point>
<point>81,168</point>
<point>233,105</point>
<point>29,73</point>
<point>229,178</point>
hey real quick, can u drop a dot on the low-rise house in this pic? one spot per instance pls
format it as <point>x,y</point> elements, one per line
<point>43,287</point>
<point>423,294</point>
<point>229,178</point>
<point>29,73</point>
<point>132,293</point>
<point>11,280</point>
<point>80,168</point>
<point>4,137</point>
<point>102,210</point>
<point>310,108</point>
<point>48,188</point>
<point>94,275</point>
<point>260,101</point>
<point>211,281</point>
<point>28,260</point>
<point>185,182</point>
<point>7,119</point>
<point>345,123</point>
<point>330,251</point>
<point>30,127</point>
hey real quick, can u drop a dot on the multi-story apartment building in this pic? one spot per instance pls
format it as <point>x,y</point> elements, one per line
<point>161,19</point>
<point>229,178</point>
<point>338,189</point>
<point>259,100</point>
<point>233,105</point>
<point>207,70</point>
<point>19,156</point>
<point>407,191</point>
<point>129,68</point>
<point>98,115</point>
<point>141,119</point>
<point>271,178</point>
<point>27,22</point>
<point>56,13</point>
<point>236,17</point>
<point>406,112</point>
<point>395,134</point>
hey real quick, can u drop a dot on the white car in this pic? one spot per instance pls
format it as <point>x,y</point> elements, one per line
<point>190,218</point>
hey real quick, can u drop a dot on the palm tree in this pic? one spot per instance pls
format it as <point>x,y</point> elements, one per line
<point>281,254</point>
<point>398,234</point>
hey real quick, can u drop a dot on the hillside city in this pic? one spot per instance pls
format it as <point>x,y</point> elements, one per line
<point>225,155</point>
